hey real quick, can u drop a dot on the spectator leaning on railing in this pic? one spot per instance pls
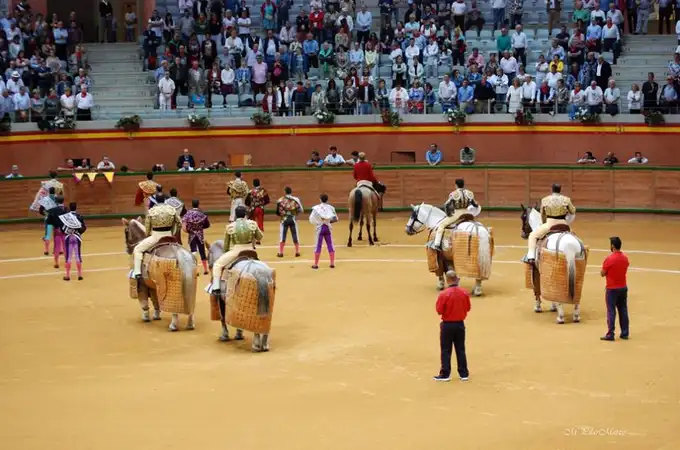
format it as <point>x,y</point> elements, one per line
<point>433,156</point>
<point>638,159</point>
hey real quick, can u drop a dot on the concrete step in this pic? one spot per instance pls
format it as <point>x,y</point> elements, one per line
<point>103,80</point>
<point>114,58</point>
<point>123,91</point>
<point>125,102</point>
<point>119,67</point>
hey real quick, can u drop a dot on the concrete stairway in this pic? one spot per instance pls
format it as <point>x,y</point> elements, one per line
<point>119,85</point>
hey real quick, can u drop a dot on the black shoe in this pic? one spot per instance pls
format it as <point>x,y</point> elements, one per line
<point>625,338</point>
<point>441,377</point>
<point>607,338</point>
<point>80,278</point>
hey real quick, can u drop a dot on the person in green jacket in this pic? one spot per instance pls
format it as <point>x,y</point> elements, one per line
<point>503,42</point>
<point>580,13</point>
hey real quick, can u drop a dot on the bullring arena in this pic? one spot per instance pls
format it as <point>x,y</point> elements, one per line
<point>353,349</point>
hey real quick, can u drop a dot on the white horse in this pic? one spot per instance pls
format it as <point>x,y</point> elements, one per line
<point>427,217</point>
<point>569,245</point>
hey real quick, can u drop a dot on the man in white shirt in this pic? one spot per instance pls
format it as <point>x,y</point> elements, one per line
<point>529,92</point>
<point>156,22</point>
<point>186,167</point>
<point>498,10</point>
<point>333,158</point>
<point>233,48</point>
<point>22,103</point>
<point>106,164</point>
<point>15,172</point>
<point>350,22</point>
<point>519,44</point>
<point>637,159</point>
<point>508,65</point>
<point>611,38</point>
<point>14,83</point>
<point>166,87</point>
<point>553,77</point>
<point>594,97</point>
<point>412,51</point>
<point>84,104</point>
<point>458,10</point>
<point>611,96</point>
<point>396,52</point>
<point>447,93</point>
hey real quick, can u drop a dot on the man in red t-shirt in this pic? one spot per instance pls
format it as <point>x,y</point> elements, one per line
<point>453,304</point>
<point>614,268</point>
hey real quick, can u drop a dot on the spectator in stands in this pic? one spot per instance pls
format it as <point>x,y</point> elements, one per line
<point>611,38</point>
<point>37,106</point>
<point>467,156</point>
<point>14,173</point>
<point>594,97</point>
<point>594,36</point>
<point>603,71</point>
<point>665,13</point>
<point>84,104</point>
<point>106,164</point>
<point>556,50</point>
<point>577,100</point>
<point>519,44</point>
<point>67,103</point>
<point>674,68</point>
<point>433,156</point>
<point>668,99</point>
<point>498,10</point>
<point>634,99</point>
<point>542,68</point>
<point>202,166</point>
<point>644,7</point>
<point>22,104</point>
<point>546,98</point>
<point>677,24</point>
<point>333,159</point>
<point>485,96</point>
<point>466,94</point>
<point>130,24</point>
<point>105,16</point>
<point>612,95</point>
<point>514,97</point>
<point>185,167</point>
<point>150,46</point>
<point>315,160</point>
<point>638,159</point>
<point>509,65</point>
<point>503,42</point>
<point>588,158</point>
<point>186,156</point>
<point>650,92</point>
<point>353,159</point>
<point>500,83</point>
<point>610,159</point>
<point>529,93</point>
<point>82,79</point>
<point>576,47</point>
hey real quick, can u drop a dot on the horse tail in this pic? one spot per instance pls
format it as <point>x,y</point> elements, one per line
<point>358,204</point>
<point>187,265</point>
<point>570,255</point>
<point>484,258</point>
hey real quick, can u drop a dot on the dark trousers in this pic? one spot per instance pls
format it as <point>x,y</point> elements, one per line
<point>521,55</point>
<point>452,335</point>
<point>197,246</point>
<point>617,300</point>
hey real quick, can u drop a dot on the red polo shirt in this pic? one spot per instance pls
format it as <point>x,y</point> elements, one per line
<point>615,267</point>
<point>453,304</point>
<point>363,171</point>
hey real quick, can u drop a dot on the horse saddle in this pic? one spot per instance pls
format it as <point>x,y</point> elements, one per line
<point>244,256</point>
<point>164,241</point>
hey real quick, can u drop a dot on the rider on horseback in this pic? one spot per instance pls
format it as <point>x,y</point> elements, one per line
<point>364,176</point>
<point>556,209</point>
<point>240,235</point>
<point>460,200</point>
<point>161,221</point>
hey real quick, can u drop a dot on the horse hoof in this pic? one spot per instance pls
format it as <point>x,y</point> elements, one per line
<point>359,238</point>
<point>349,244</point>
<point>559,321</point>
<point>156,315</point>
<point>190,327</point>
<point>80,278</point>
<point>239,336</point>
<point>370,243</point>
<point>576,320</point>
<point>172,328</point>
<point>538,310</point>
<point>375,239</point>
<point>205,273</point>
<point>224,338</point>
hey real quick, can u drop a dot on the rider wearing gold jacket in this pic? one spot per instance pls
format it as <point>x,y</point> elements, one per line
<point>240,235</point>
<point>161,221</point>
<point>460,200</point>
<point>556,209</point>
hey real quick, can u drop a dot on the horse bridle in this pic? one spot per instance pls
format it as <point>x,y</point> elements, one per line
<point>415,219</point>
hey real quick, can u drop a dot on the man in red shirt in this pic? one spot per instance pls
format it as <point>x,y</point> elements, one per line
<point>614,268</point>
<point>363,174</point>
<point>453,304</point>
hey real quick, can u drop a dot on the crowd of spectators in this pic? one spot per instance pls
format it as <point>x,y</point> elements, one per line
<point>43,67</point>
<point>213,51</point>
<point>611,159</point>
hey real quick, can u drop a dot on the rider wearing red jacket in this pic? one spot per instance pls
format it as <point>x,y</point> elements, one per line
<point>363,171</point>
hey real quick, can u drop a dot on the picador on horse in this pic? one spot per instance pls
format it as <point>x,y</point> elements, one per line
<point>458,210</point>
<point>555,209</point>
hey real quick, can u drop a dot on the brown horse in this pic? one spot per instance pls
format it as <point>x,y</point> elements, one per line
<point>363,207</point>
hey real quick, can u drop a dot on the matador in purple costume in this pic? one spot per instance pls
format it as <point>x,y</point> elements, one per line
<point>73,227</point>
<point>194,222</point>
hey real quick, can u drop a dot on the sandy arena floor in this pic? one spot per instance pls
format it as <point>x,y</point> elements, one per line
<point>353,353</point>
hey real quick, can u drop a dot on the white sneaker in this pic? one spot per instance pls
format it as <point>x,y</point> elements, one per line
<point>464,378</point>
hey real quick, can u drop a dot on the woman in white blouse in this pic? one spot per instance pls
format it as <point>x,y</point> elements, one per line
<point>227,77</point>
<point>542,69</point>
<point>577,100</point>
<point>68,103</point>
<point>514,97</point>
<point>634,99</point>
<point>399,71</point>
<point>499,81</point>
<point>371,60</point>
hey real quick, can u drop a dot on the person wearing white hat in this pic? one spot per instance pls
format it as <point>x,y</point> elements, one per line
<point>14,83</point>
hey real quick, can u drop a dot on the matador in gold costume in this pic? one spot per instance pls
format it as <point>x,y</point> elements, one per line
<point>556,209</point>
<point>238,190</point>
<point>462,202</point>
